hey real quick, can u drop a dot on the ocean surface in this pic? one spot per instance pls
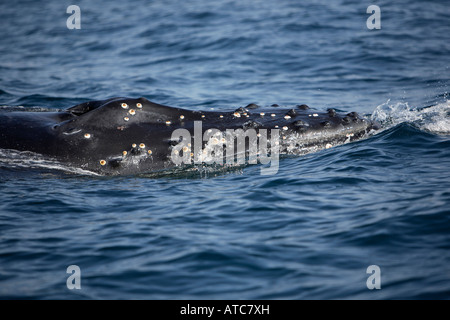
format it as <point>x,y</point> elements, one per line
<point>308,232</point>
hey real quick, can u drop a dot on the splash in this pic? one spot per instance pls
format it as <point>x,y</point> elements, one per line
<point>434,119</point>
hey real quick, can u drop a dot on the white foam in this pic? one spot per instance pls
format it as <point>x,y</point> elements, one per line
<point>16,159</point>
<point>27,109</point>
<point>435,119</point>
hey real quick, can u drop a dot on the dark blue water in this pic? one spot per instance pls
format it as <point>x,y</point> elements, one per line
<point>309,231</point>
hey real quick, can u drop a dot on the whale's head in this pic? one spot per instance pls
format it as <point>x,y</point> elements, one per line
<point>123,136</point>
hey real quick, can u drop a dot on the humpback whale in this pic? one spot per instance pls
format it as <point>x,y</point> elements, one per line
<point>131,136</point>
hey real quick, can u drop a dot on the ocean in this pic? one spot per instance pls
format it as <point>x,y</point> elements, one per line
<point>312,230</point>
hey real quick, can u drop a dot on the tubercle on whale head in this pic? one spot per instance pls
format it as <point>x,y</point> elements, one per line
<point>375,125</point>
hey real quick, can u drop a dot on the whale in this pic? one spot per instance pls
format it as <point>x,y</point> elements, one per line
<point>120,136</point>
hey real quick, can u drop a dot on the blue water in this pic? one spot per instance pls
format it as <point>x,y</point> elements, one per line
<point>308,232</point>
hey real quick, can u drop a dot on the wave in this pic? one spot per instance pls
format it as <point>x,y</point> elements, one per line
<point>434,119</point>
